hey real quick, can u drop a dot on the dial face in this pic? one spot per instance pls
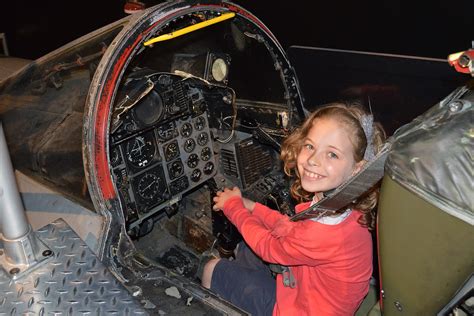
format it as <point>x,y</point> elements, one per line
<point>149,186</point>
<point>196,175</point>
<point>189,145</point>
<point>208,168</point>
<point>171,151</point>
<point>186,130</point>
<point>202,138</point>
<point>175,169</point>
<point>167,131</point>
<point>219,69</point>
<point>140,150</point>
<point>200,123</point>
<point>193,161</point>
<point>206,153</point>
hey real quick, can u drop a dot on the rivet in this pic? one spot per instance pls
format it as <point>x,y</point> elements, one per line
<point>399,306</point>
<point>47,253</point>
<point>455,106</point>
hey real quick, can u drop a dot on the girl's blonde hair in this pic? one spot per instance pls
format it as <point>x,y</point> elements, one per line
<point>349,115</point>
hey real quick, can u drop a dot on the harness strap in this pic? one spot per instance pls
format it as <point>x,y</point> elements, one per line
<point>288,276</point>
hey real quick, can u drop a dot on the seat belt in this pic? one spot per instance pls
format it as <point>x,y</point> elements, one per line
<point>348,192</point>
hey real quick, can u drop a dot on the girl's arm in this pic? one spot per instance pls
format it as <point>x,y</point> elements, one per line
<point>265,214</point>
<point>280,243</point>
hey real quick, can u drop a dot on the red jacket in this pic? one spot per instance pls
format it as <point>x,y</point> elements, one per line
<point>332,264</point>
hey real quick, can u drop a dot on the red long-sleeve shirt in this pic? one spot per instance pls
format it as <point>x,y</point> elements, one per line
<point>332,264</point>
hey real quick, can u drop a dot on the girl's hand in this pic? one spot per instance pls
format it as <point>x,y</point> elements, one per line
<point>222,197</point>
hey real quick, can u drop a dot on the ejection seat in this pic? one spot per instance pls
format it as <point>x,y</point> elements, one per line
<point>425,212</point>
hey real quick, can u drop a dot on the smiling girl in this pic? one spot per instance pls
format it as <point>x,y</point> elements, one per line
<point>329,258</point>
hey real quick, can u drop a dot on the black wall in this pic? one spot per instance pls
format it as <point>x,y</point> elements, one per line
<point>396,88</point>
<point>421,28</point>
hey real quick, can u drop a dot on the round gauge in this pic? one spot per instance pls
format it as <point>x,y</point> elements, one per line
<point>149,109</point>
<point>196,175</point>
<point>115,158</point>
<point>219,70</point>
<point>189,145</point>
<point>206,153</point>
<point>202,138</point>
<point>171,151</point>
<point>175,169</point>
<point>140,150</point>
<point>149,186</point>
<point>208,168</point>
<point>200,123</point>
<point>186,130</point>
<point>167,131</point>
<point>193,161</point>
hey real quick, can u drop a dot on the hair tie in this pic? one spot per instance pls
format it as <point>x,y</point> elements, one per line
<point>367,123</point>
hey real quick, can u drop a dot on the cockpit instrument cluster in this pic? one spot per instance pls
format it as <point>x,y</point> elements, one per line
<point>161,143</point>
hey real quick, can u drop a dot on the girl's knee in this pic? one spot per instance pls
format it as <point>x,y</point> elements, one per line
<point>207,273</point>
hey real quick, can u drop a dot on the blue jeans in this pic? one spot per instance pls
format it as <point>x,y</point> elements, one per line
<point>247,282</point>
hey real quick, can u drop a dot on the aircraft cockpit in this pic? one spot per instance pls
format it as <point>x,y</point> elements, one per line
<point>142,121</point>
<point>128,132</point>
<point>197,112</point>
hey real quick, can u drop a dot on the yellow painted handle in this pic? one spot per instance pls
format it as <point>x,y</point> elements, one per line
<point>190,28</point>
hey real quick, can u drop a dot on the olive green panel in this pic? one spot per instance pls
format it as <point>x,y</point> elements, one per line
<point>425,253</point>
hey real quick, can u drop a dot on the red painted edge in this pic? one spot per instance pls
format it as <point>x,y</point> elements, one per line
<point>379,263</point>
<point>104,179</point>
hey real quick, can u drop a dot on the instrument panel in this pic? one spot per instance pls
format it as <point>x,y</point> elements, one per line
<point>157,157</point>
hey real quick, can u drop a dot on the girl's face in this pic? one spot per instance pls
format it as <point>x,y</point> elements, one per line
<point>326,159</point>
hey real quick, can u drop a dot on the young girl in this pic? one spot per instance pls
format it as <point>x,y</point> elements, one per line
<point>329,258</point>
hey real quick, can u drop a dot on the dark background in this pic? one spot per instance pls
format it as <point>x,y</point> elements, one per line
<point>407,27</point>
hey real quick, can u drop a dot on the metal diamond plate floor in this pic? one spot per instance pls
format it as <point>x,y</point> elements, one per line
<point>72,282</point>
